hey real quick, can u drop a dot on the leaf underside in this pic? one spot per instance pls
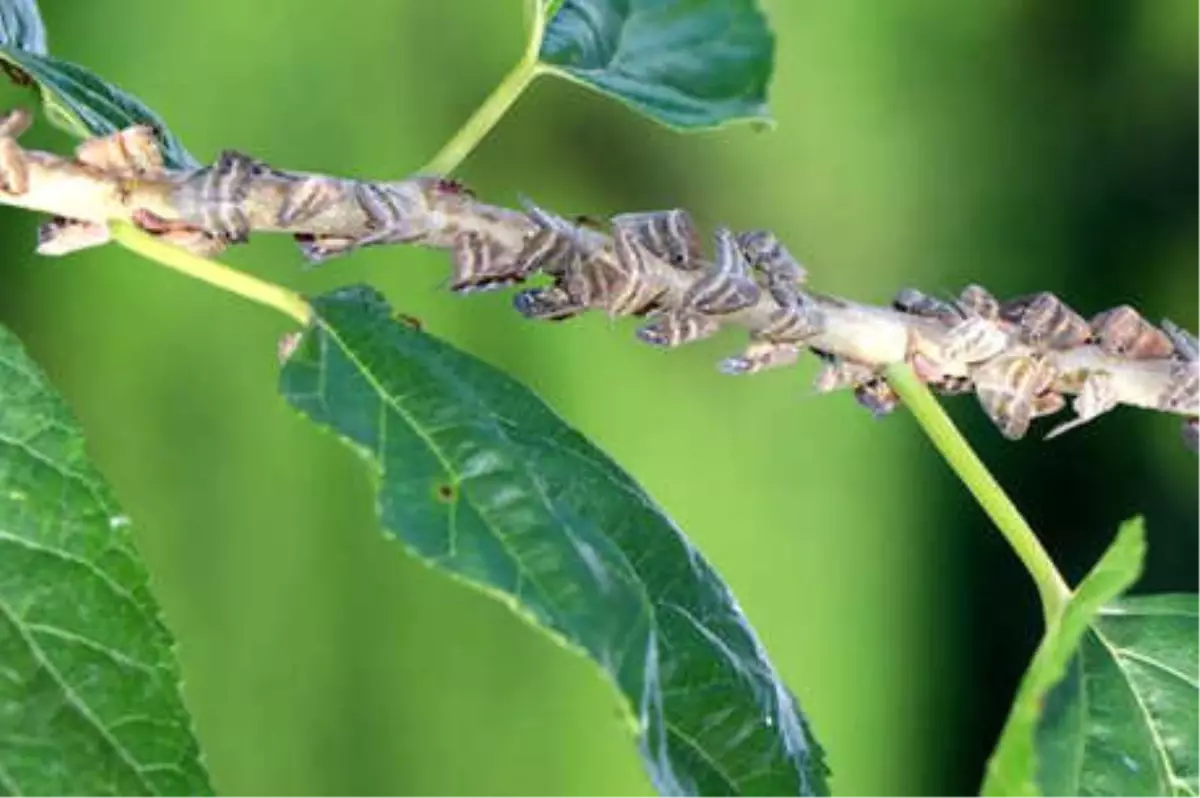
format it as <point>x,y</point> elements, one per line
<point>1108,705</point>
<point>76,100</point>
<point>1124,721</point>
<point>690,64</point>
<point>478,478</point>
<point>89,698</point>
<point>84,105</point>
<point>21,26</point>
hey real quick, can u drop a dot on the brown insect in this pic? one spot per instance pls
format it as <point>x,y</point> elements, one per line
<point>318,249</point>
<point>781,273</point>
<point>1045,321</point>
<point>677,327</point>
<point>975,300</point>
<point>1191,433</point>
<point>396,213</point>
<point>212,197</point>
<point>761,355</point>
<point>549,303</point>
<point>132,152</point>
<point>62,236</point>
<point>1183,390</point>
<point>727,286</point>
<point>871,390</point>
<point>669,236</point>
<point>1013,390</point>
<point>306,197</point>
<point>979,335</point>
<point>877,396</point>
<point>555,246</point>
<point>918,303</point>
<point>618,281</point>
<point>1097,396</point>
<point>480,264</point>
<point>1123,332</point>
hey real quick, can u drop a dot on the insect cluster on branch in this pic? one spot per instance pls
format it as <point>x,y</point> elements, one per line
<point>1021,357</point>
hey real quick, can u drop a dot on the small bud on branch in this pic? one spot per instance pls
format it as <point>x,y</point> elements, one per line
<point>1021,357</point>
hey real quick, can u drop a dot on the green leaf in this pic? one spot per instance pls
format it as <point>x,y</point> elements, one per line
<point>478,478</point>
<point>686,63</point>
<point>1109,703</point>
<point>1013,767</point>
<point>75,99</point>
<point>21,26</point>
<point>89,698</point>
<point>1125,720</point>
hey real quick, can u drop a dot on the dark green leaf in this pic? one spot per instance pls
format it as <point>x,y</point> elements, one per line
<point>685,63</point>
<point>1013,767</point>
<point>21,26</point>
<point>1124,721</point>
<point>480,479</point>
<point>89,699</point>
<point>76,100</point>
<point>1109,703</point>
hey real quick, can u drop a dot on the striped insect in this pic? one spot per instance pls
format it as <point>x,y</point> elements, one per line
<point>1191,433</point>
<point>480,263</point>
<point>1096,396</point>
<point>918,303</point>
<point>797,317</point>
<point>871,390</point>
<point>1046,322</point>
<point>555,246</point>
<point>931,372</point>
<point>1183,389</point>
<point>591,274</point>
<point>221,194</point>
<point>975,300</point>
<point>395,212</point>
<point>1015,389</point>
<point>792,324</point>
<point>306,197</point>
<point>760,355</point>
<point>669,236</point>
<point>548,303</point>
<point>780,273</point>
<point>1123,332</point>
<point>672,328</point>
<point>727,286</point>
<point>979,335</point>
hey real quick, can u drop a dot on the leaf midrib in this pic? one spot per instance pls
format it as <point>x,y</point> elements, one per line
<point>1156,739</point>
<point>438,453</point>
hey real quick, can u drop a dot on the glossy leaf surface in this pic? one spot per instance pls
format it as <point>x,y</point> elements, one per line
<point>685,63</point>
<point>480,479</point>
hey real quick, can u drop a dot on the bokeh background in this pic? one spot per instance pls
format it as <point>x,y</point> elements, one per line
<point>1021,144</point>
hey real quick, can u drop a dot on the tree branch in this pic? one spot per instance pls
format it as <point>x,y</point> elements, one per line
<point>1021,357</point>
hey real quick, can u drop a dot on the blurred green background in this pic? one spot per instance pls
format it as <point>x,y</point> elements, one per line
<point>1021,144</point>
